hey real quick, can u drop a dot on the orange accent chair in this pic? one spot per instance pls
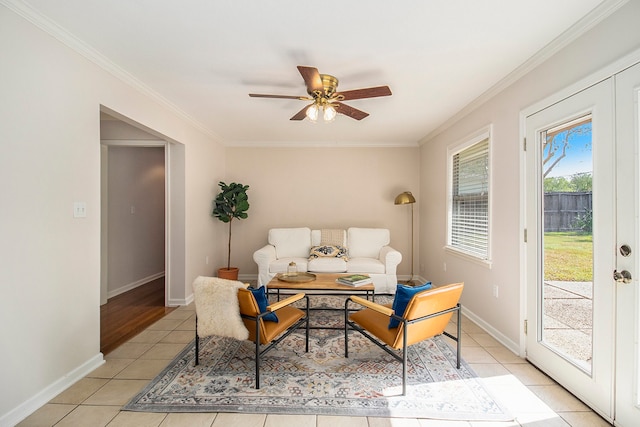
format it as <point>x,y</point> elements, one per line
<point>265,333</point>
<point>427,315</point>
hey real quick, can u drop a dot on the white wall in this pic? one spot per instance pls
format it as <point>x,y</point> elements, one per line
<point>50,274</point>
<point>321,188</point>
<point>612,39</point>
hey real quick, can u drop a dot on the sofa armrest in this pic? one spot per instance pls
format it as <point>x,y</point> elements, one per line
<point>390,258</point>
<point>264,256</point>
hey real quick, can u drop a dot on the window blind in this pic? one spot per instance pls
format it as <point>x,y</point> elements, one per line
<point>470,200</point>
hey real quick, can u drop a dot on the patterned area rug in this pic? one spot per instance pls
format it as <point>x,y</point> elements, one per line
<point>322,381</point>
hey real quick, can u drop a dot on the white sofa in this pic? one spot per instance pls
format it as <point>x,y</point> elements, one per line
<point>368,252</point>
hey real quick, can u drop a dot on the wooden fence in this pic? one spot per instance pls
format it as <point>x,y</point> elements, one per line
<point>562,209</point>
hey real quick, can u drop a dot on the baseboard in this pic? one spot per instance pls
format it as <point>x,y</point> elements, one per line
<point>175,302</point>
<point>420,279</point>
<point>34,403</point>
<point>189,299</point>
<point>248,278</point>
<point>134,285</point>
<point>403,278</point>
<point>499,336</point>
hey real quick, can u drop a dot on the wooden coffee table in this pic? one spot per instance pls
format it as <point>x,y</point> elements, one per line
<point>324,284</point>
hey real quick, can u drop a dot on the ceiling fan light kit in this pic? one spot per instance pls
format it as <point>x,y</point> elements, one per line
<point>329,113</point>
<point>312,112</point>
<point>322,92</point>
<point>320,104</point>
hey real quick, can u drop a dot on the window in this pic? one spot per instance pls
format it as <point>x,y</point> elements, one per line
<point>469,197</point>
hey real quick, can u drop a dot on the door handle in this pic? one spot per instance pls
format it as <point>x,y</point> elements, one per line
<point>622,276</point>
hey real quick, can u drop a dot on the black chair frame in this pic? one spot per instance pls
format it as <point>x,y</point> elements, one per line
<point>259,352</point>
<point>403,357</point>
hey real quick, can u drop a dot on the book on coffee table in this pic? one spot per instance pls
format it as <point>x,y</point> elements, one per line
<point>354,280</point>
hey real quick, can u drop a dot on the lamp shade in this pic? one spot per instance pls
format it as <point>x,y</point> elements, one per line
<point>404,198</point>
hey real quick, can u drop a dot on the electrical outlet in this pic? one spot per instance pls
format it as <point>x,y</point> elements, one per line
<point>444,266</point>
<point>495,291</point>
<point>206,260</point>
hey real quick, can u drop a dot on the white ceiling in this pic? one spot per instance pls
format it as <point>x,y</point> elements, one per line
<point>205,56</point>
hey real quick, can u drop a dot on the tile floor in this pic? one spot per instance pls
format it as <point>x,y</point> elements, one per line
<point>533,398</point>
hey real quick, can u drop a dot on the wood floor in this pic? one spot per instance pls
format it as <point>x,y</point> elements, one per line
<point>128,314</point>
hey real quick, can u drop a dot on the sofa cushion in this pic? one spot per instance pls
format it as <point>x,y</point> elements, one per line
<point>327,265</point>
<point>280,265</point>
<point>291,242</point>
<point>365,265</point>
<point>404,293</point>
<point>367,242</point>
<point>328,251</point>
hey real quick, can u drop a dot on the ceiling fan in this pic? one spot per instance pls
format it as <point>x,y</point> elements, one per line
<point>322,92</point>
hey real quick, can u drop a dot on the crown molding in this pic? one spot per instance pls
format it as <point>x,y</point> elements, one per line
<point>41,21</point>
<point>319,144</point>
<point>597,15</point>
<point>49,26</point>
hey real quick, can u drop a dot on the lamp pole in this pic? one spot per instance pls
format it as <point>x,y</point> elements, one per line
<point>407,198</point>
<point>411,278</point>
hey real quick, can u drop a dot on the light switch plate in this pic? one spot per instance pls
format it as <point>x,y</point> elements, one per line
<point>79,209</point>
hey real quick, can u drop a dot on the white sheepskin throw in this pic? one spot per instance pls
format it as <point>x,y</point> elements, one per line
<point>217,307</point>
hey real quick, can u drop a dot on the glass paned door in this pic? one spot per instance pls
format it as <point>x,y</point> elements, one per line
<point>570,220</point>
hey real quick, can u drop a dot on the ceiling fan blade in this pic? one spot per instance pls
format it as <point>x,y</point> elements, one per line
<point>258,95</point>
<point>370,92</point>
<point>301,115</point>
<point>311,78</point>
<point>347,110</point>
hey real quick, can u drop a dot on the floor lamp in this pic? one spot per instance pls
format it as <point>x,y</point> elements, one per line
<point>407,198</point>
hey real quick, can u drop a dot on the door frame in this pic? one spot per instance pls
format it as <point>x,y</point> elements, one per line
<point>175,202</point>
<point>601,75</point>
<point>627,357</point>
<point>605,73</point>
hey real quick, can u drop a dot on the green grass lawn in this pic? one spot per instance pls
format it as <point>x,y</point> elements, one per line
<point>568,256</point>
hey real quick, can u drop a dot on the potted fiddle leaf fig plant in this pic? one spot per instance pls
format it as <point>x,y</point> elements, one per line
<point>231,203</point>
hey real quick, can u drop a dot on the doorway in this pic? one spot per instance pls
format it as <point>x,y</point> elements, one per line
<point>582,242</point>
<point>133,288</point>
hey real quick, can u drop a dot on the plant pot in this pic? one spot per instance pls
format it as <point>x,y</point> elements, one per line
<point>228,273</point>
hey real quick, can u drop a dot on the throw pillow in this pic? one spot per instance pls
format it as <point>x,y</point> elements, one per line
<point>331,236</point>
<point>404,293</point>
<point>328,251</point>
<point>261,298</point>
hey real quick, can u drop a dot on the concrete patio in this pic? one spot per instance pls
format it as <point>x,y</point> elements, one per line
<point>568,319</point>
